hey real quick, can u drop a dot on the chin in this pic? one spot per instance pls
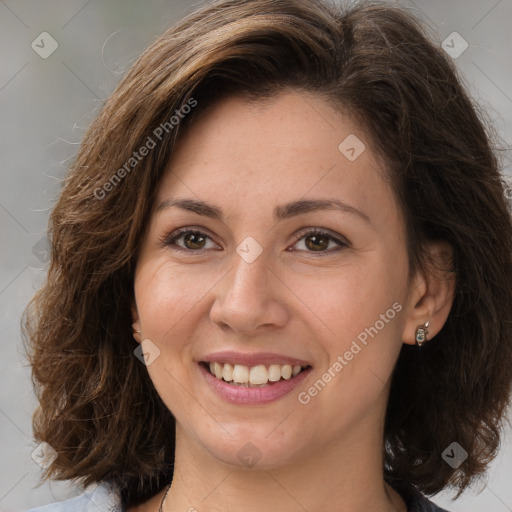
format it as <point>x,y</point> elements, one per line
<point>263,448</point>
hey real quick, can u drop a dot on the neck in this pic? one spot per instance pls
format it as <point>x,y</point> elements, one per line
<point>344,476</point>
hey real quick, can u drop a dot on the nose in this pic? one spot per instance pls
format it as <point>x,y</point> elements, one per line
<point>249,298</point>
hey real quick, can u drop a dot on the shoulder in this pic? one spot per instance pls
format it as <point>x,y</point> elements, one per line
<point>103,498</point>
<point>415,500</point>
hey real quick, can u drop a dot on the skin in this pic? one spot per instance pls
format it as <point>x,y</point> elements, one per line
<point>294,299</point>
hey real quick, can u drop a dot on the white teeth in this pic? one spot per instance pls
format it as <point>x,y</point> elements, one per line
<point>240,374</point>
<point>274,372</point>
<point>286,371</point>
<point>259,375</point>
<point>217,370</point>
<point>227,372</point>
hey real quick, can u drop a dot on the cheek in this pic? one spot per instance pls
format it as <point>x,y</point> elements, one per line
<point>342,302</point>
<point>167,301</point>
<point>166,294</point>
<point>361,319</point>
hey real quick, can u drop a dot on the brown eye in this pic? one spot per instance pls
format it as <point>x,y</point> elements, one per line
<point>192,240</point>
<point>317,241</point>
<point>195,240</point>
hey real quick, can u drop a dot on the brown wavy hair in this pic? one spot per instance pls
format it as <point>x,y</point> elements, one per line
<point>98,407</point>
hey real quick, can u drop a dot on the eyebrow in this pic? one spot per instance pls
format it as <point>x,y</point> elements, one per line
<point>282,212</point>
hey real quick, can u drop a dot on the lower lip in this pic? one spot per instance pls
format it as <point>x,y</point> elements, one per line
<point>247,395</point>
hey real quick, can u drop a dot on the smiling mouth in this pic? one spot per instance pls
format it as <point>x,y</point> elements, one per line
<point>252,376</point>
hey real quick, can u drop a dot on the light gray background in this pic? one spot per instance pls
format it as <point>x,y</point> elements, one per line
<point>45,105</point>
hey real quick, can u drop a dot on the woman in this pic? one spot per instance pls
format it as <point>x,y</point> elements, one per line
<point>280,274</point>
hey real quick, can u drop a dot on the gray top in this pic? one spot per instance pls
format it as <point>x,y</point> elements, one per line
<point>105,498</point>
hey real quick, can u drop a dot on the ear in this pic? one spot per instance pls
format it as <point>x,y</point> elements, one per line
<point>431,294</point>
<point>136,322</point>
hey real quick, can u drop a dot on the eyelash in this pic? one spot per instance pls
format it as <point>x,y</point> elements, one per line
<point>170,240</point>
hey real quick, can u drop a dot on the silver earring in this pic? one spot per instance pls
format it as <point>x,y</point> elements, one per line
<point>421,333</point>
<point>135,330</point>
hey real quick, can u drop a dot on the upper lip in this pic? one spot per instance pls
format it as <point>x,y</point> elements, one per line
<point>253,359</point>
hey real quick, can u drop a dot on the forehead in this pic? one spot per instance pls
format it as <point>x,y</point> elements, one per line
<point>245,155</point>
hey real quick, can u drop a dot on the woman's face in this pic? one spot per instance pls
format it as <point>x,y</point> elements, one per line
<point>253,285</point>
